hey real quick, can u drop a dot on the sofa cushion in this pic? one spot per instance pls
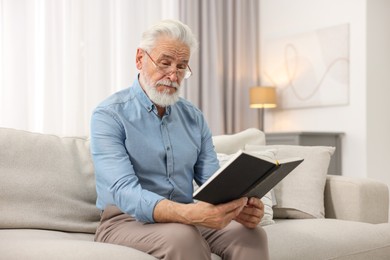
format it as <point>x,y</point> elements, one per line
<point>42,234</point>
<point>42,249</point>
<point>47,182</point>
<point>307,239</point>
<point>301,193</point>
<point>49,244</point>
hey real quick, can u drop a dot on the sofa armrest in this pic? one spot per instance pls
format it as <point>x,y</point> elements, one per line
<point>356,199</point>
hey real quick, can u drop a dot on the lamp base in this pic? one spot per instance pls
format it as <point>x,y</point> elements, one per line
<point>261,119</point>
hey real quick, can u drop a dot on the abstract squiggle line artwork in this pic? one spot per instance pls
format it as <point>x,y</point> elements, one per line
<point>310,69</point>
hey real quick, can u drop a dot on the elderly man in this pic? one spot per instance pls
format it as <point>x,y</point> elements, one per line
<point>148,145</point>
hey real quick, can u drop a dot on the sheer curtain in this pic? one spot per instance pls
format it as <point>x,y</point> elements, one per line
<point>227,63</point>
<point>59,59</point>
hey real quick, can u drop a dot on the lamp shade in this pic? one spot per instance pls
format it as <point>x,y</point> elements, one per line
<point>262,97</point>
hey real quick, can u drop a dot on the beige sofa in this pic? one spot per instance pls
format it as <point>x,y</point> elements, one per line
<point>47,205</point>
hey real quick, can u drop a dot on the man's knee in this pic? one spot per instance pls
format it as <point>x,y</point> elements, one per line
<point>185,242</point>
<point>251,243</point>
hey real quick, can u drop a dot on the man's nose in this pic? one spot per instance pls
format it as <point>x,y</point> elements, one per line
<point>172,75</point>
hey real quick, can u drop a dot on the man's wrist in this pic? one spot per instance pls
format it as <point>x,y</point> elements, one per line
<point>169,211</point>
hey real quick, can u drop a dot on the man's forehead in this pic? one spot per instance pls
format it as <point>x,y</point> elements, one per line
<point>172,49</point>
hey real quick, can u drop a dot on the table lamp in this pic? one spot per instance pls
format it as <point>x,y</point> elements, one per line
<point>262,97</point>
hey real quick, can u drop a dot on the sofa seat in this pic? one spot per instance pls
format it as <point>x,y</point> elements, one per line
<point>328,239</point>
<point>288,239</point>
<point>40,244</point>
<point>35,244</point>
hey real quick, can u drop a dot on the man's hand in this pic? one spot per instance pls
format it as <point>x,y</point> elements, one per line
<point>200,213</point>
<point>252,213</point>
<point>216,216</point>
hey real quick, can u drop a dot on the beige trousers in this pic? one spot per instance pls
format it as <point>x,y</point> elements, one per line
<point>173,241</point>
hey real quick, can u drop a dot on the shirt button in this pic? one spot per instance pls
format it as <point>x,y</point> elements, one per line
<point>168,148</point>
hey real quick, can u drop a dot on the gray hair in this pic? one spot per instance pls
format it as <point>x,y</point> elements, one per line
<point>173,29</point>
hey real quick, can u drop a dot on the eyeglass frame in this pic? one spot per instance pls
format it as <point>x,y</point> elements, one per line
<point>187,70</point>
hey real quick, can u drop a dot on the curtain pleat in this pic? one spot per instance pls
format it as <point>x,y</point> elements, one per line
<point>227,63</point>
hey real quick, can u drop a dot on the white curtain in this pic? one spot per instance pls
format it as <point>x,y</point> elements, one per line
<point>60,58</point>
<point>227,63</point>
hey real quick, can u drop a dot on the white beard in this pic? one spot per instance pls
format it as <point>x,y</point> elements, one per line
<point>164,98</point>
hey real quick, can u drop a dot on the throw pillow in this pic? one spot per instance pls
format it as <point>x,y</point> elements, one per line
<point>301,193</point>
<point>228,144</point>
<point>267,199</point>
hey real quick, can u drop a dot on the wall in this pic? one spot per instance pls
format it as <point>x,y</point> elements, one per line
<point>378,88</point>
<point>364,129</point>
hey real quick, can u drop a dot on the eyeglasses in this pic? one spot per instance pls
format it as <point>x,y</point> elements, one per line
<point>182,70</point>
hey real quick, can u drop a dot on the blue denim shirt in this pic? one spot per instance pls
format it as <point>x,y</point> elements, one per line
<point>140,158</point>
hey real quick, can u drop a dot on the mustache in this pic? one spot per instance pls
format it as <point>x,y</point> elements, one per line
<point>167,83</point>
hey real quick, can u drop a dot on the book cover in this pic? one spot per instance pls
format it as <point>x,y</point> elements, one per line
<point>244,175</point>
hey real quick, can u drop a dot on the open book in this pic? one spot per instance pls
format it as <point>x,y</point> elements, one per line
<point>245,175</point>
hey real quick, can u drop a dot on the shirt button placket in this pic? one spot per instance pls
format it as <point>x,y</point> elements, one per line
<point>168,150</point>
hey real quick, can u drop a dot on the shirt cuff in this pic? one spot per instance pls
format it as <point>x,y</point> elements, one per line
<point>146,205</point>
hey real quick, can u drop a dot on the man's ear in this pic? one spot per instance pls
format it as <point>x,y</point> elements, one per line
<point>138,58</point>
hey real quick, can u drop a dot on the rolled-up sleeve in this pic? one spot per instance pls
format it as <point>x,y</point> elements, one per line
<point>116,180</point>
